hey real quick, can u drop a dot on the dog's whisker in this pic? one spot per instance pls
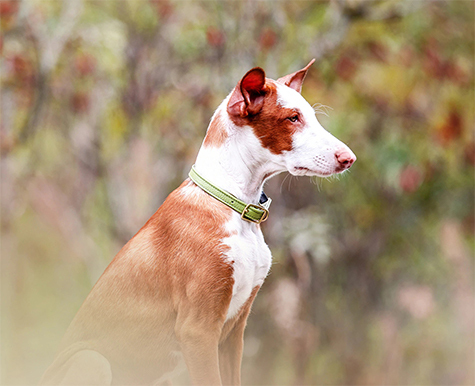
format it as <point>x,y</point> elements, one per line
<point>282,183</point>
<point>320,108</point>
<point>290,182</point>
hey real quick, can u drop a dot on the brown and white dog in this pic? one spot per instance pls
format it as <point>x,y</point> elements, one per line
<point>183,286</point>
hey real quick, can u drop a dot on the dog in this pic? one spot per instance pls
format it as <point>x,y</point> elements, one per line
<point>183,286</point>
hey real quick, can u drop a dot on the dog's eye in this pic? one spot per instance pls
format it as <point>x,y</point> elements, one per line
<point>294,118</point>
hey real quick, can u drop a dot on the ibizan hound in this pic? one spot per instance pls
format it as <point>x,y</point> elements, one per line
<point>183,286</point>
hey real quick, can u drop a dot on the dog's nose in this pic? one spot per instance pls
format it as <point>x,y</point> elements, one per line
<point>345,158</point>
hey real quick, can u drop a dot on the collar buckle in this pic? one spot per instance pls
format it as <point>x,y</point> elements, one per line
<point>259,208</point>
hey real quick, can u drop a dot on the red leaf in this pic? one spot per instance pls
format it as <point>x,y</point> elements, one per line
<point>410,179</point>
<point>80,102</point>
<point>268,39</point>
<point>451,129</point>
<point>346,67</point>
<point>85,64</point>
<point>470,153</point>
<point>215,37</point>
<point>8,8</point>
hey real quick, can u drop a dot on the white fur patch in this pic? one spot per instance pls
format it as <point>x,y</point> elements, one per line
<point>291,99</point>
<point>251,259</point>
<point>313,148</point>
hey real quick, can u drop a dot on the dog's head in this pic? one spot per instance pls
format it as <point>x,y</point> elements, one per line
<point>285,125</point>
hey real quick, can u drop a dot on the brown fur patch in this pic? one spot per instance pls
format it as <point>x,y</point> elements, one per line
<point>270,124</point>
<point>172,271</point>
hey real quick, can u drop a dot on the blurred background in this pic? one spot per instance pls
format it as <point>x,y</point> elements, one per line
<point>104,105</point>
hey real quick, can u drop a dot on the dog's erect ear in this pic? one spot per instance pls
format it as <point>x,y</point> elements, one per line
<point>248,96</point>
<point>295,80</point>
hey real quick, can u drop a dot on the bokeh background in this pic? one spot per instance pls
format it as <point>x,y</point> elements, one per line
<point>104,105</point>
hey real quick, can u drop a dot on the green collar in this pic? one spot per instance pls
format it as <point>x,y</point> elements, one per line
<point>255,213</point>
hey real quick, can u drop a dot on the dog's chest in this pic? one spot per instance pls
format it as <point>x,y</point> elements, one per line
<point>251,259</point>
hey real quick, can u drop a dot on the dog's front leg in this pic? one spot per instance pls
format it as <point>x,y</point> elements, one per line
<point>230,352</point>
<point>199,339</point>
<point>231,345</point>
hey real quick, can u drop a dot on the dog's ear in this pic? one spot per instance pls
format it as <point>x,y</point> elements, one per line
<point>295,80</point>
<point>248,96</point>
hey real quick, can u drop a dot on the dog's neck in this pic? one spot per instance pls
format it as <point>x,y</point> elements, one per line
<point>233,159</point>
